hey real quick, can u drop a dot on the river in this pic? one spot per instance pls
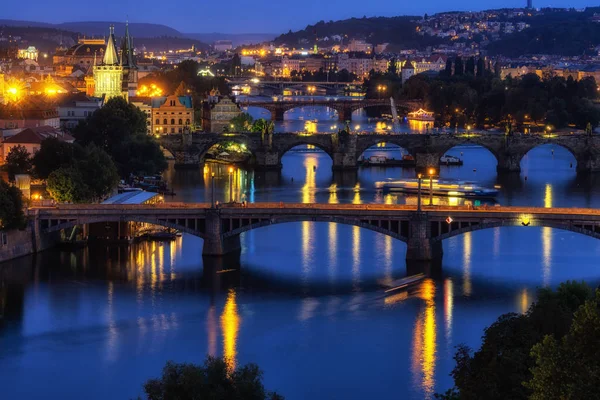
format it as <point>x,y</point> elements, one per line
<point>305,303</point>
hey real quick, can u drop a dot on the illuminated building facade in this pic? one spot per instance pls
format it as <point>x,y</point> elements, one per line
<point>172,114</point>
<point>108,76</point>
<point>116,76</point>
<point>216,118</point>
<point>30,53</point>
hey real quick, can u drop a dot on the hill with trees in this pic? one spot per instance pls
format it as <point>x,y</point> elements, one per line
<point>559,32</point>
<point>401,32</point>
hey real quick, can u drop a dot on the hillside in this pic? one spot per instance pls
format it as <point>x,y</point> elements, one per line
<point>568,33</point>
<point>100,28</point>
<point>399,31</point>
<point>237,39</point>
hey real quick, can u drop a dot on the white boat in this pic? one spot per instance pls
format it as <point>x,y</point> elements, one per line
<point>403,283</point>
<point>450,160</point>
<point>421,115</point>
<point>453,188</point>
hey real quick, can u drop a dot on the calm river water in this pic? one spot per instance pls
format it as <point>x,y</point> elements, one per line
<point>306,304</point>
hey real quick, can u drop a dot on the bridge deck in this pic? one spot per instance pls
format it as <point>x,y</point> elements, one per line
<point>297,208</point>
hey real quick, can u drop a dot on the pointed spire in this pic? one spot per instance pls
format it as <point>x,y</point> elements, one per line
<point>110,55</point>
<point>95,52</point>
<point>127,49</point>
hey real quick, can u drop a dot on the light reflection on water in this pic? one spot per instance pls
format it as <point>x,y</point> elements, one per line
<point>307,298</point>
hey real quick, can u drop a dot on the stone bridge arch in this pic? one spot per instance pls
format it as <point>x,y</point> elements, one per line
<point>582,154</point>
<point>193,226</point>
<point>460,228</point>
<point>322,142</point>
<point>396,229</point>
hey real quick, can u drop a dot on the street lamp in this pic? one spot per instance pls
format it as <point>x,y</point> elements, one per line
<point>468,130</point>
<point>230,185</point>
<point>431,173</point>
<point>212,192</point>
<point>419,176</point>
<point>548,129</point>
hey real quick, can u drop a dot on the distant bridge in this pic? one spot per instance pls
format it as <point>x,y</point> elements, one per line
<point>345,150</point>
<point>220,227</point>
<point>344,108</point>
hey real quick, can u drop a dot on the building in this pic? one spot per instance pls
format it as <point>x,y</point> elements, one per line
<point>145,106</point>
<point>130,68</point>
<point>108,76</point>
<point>359,46</point>
<point>116,76</point>
<point>31,139</point>
<point>30,53</point>
<point>172,114</point>
<point>81,54</point>
<point>408,70</point>
<point>28,114</point>
<point>217,117</point>
<point>75,108</point>
<point>223,45</point>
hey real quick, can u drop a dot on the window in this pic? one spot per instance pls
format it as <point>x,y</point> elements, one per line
<point>180,121</point>
<point>180,130</point>
<point>164,121</point>
<point>172,130</point>
<point>172,121</point>
<point>187,121</point>
<point>157,121</point>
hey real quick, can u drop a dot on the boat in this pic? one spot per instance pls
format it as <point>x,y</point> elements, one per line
<point>404,283</point>
<point>453,188</point>
<point>421,115</point>
<point>450,160</point>
<point>383,161</point>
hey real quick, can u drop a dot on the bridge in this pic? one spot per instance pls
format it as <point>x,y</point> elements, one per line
<point>220,227</point>
<point>344,108</point>
<point>345,149</point>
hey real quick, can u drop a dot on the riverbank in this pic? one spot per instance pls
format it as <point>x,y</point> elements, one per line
<point>16,243</point>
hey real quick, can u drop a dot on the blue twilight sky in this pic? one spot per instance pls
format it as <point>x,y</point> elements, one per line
<point>243,16</point>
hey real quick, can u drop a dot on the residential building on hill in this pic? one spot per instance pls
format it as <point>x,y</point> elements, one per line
<point>31,139</point>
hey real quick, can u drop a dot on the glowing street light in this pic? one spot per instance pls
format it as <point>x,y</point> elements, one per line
<point>431,173</point>
<point>213,191</point>
<point>230,185</point>
<point>419,176</point>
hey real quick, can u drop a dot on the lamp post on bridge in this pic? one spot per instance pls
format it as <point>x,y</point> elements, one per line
<point>431,173</point>
<point>212,192</point>
<point>230,185</point>
<point>420,177</point>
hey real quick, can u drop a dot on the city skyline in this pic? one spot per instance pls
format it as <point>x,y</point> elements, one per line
<point>261,16</point>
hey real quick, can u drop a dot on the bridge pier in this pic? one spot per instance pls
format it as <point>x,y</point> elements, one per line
<point>344,114</point>
<point>421,246</point>
<point>509,163</point>
<point>424,161</point>
<point>215,242</point>
<point>267,160</point>
<point>277,114</point>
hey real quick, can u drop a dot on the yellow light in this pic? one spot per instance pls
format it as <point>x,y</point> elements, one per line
<point>431,171</point>
<point>231,170</point>
<point>12,90</point>
<point>357,127</point>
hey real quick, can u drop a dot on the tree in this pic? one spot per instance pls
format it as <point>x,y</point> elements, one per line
<point>448,70</point>
<point>498,369</point>
<point>11,207</point>
<point>241,123</point>
<point>66,185</point>
<point>18,161</point>
<point>392,68</point>
<point>98,171</point>
<point>569,368</point>
<point>480,67</point>
<point>53,154</point>
<point>212,380</point>
<point>470,66</point>
<point>120,129</point>
<point>458,66</point>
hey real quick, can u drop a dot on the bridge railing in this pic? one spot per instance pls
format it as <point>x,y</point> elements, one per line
<point>65,208</point>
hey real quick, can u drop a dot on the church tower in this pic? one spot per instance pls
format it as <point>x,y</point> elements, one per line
<point>108,76</point>
<point>130,69</point>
